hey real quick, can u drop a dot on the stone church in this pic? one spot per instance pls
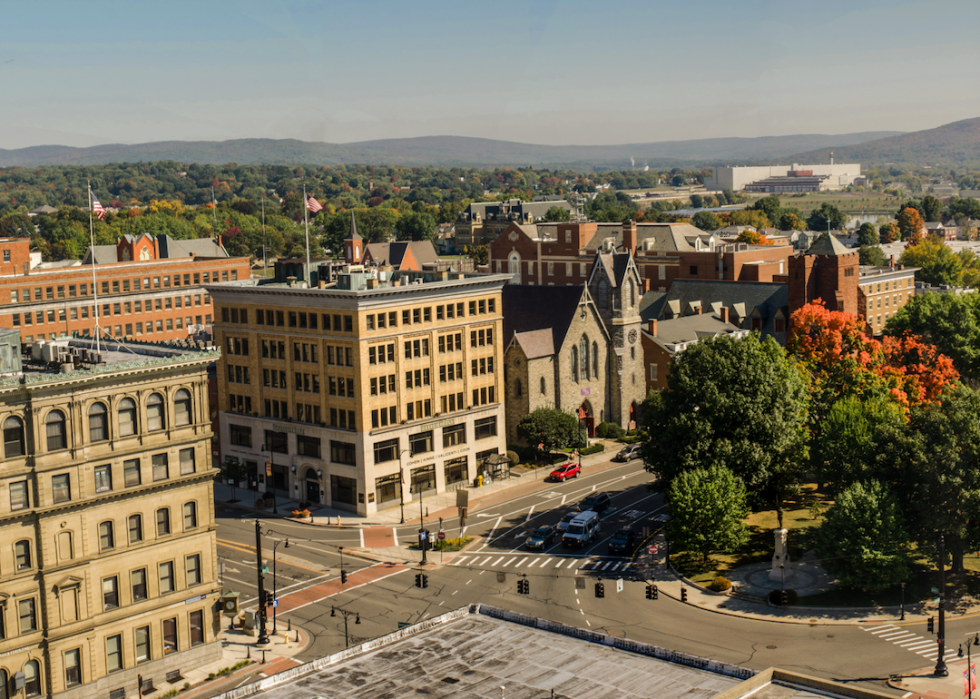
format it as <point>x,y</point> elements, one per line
<point>576,347</point>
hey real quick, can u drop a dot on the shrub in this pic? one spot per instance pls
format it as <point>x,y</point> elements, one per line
<point>594,449</point>
<point>302,514</point>
<point>609,430</point>
<point>775,597</point>
<point>514,457</point>
<point>601,430</point>
<point>720,584</point>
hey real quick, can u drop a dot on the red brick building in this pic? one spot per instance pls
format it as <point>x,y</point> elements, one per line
<point>146,288</point>
<point>562,253</point>
<point>827,271</point>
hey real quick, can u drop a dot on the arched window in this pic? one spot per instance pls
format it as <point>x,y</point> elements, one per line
<point>22,554</point>
<point>595,359</point>
<point>127,417</point>
<point>514,263</point>
<point>518,389</point>
<point>32,679</point>
<point>4,684</point>
<point>190,515</point>
<point>135,529</point>
<point>575,363</point>
<point>543,386</point>
<point>182,408</point>
<point>56,431</point>
<point>154,413</point>
<point>584,351</point>
<point>631,293</point>
<point>107,539</point>
<point>98,423</point>
<point>163,521</point>
<point>13,442</point>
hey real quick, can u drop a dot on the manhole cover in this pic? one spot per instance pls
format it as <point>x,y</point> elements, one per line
<point>771,647</point>
<point>830,635</point>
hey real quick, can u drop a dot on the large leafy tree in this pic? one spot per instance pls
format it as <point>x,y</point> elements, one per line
<point>951,322</point>
<point>558,214</point>
<point>864,540</point>
<point>872,255</point>
<point>910,223</point>
<point>416,226</point>
<point>770,206</point>
<point>706,221</point>
<point>790,221</point>
<point>549,427</point>
<point>740,404</point>
<point>707,509</point>
<point>867,235</point>
<point>827,216</point>
<point>937,263</point>
<point>932,208</point>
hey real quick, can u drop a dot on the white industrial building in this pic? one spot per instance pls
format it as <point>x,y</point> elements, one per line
<point>832,176</point>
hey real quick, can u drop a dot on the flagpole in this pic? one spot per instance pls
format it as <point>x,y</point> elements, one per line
<point>265,264</point>
<point>306,220</point>
<point>214,211</point>
<point>95,286</point>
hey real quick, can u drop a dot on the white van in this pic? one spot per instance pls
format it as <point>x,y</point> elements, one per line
<point>582,529</point>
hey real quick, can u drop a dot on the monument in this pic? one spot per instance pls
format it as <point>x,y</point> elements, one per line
<point>780,560</point>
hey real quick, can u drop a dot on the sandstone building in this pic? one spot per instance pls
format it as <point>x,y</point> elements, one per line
<point>355,389</point>
<point>107,535</point>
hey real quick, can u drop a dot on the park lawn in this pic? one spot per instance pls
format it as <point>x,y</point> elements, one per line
<point>847,202</point>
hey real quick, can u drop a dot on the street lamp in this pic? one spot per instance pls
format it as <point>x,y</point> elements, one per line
<point>263,638</point>
<point>346,614</point>
<point>903,603</point>
<point>271,474</point>
<point>941,670</point>
<point>401,482</point>
<point>275,580</point>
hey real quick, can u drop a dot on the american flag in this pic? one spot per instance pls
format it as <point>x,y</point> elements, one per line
<point>97,207</point>
<point>313,205</point>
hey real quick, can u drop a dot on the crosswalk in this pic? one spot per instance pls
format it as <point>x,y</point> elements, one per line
<point>512,562</point>
<point>903,638</point>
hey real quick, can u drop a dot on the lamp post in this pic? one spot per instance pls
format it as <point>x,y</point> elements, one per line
<point>271,474</point>
<point>346,614</point>
<point>263,638</point>
<point>275,580</point>
<point>903,603</point>
<point>941,670</point>
<point>401,482</point>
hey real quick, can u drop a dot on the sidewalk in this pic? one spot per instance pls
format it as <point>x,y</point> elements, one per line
<point>433,506</point>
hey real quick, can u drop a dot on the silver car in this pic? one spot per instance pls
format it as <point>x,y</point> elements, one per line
<point>563,524</point>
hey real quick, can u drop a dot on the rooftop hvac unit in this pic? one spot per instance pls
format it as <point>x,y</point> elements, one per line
<point>36,350</point>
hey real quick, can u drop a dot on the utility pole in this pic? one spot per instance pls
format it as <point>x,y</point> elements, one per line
<point>263,636</point>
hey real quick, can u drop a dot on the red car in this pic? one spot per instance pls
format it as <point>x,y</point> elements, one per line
<point>566,471</point>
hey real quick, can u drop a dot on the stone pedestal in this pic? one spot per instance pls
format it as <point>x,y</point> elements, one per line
<point>779,560</point>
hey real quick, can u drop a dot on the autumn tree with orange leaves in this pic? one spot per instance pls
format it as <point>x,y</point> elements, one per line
<point>753,238</point>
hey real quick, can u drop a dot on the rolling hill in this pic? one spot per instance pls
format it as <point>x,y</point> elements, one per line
<point>440,151</point>
<point>951,145</point>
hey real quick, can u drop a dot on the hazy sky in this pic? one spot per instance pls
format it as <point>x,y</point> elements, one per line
<point>545,71</point>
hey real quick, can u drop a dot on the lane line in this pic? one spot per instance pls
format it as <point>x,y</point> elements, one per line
<point>362,537</point>
<point>497,561</point>
<point>533,562</point>
<point>394,534</point>
<point>383,577</point>
<point>883,629</point>
<point>529,512</point>
<point>510,561</point>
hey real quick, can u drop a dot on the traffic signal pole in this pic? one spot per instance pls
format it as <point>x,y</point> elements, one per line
<point>263,638</point>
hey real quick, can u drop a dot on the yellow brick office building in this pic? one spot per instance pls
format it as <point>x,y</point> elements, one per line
<point>378,388</point>
<point>107,543</point>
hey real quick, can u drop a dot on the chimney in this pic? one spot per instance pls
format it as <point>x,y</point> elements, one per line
<point>699,310</point>
<point>724,314</point>
<point>891,262</point>
<point>629,235</point>
<point>646,285</point>
<point>652,327</point>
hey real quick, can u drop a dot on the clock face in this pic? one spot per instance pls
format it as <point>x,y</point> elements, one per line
<point>632,336</point>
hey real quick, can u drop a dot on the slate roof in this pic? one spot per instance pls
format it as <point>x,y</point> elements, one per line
<point>741,297</point>
<point>527,308</point>
<point>393,253</point>
<point>199,247</point>
<point>104,255</point>
<point>827,244</point>
<point>689,329</point>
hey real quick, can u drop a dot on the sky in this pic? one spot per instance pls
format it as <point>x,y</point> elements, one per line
<point>556,72</point>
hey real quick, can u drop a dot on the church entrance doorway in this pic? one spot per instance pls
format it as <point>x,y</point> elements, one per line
<point>634,415</point>
<point>586,419</point>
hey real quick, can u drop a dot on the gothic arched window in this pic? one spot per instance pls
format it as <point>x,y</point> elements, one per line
<point>575,363</point>
<point>584,352</point>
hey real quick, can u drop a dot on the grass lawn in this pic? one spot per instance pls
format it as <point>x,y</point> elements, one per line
<point>848,202</point>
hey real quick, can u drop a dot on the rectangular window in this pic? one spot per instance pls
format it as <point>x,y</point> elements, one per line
<point>161,468</point>
<point>240,435</point>
<point>190,510</point>
<point>138,579</point>
<point>131,472</point>
<point>193,570</point>
<point>73,667</point>
<point>187,464</point>
<point>420,443</point>
<point>454,435</point>
<point>196,622</point>
<point>343,453</point>
<point>276,442</point>
<point>486,427</point>
<point>169,636</point>
<point>18,495</point>
<point>163,521</point>
<point>110,593</point>
<point>61,488</point>
<point>653,372</point>
<point>386,451</point>
<point>28,615</point>
<point>166,577</point>
<point>142,644</point>
<point>113,653</point>
<point>103,479</point>
<point>308,446</point>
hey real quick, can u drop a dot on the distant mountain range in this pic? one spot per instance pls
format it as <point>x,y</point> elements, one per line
<point>951,145</point>
<point>446,151</point>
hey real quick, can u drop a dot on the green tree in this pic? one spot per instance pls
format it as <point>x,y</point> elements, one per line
<point>740,404</point>
<point>771,206</point>
<point>706,221</point>
<point>937,263</point>
<point>233,470</point>
<point>416,226</point>
<point>910,223</point>
<point>826,216</point>
<point>872,255</point>
<point>549,427</point>
<point>864,539</point>
<point>749,217</point>
<point>480,254</point>
<point>889,233</point>
<point>790,221</point>
<point>951,322</point>
<point>707,509</point>
<point>867,235</point>
<point>557,214</point>
<point>697,201</point>
<point>932,208</point>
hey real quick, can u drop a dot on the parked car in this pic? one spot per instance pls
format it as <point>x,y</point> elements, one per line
<point>597,502</point>
<point>628,453</point>
<point>565,471</point>
<point>541,538</point>
<point>623,541</point>
<point>566,520</point>
<point>582,529</point>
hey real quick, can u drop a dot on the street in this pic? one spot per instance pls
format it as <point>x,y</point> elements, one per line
<point>379,596</point>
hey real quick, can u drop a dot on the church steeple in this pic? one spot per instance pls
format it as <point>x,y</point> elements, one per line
<point>353,244</point>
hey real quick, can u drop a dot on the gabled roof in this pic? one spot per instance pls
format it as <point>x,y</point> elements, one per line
<point>394,253</point>
<point>827,244</point>
<point>536,343</point>
<point>353,228</point>
<point>689,329</point>
<point>742,298</point>
<point>104,255</point>
<point>527,308</point>
<point>198,247</point>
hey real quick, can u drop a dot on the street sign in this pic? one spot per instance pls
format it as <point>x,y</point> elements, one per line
<point>935,590</point>
<point>265,569</point>
<point>275,603</point>
<point>619,585</point>
<point>442,536</point>
<point>653,550</point>
<point>423,534</point>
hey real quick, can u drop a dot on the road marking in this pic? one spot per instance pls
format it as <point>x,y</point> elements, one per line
<point>533,562</point>
<point>240,582</point>
<point>494,514</point>
<point>899,637</point>
<point>632,514</point>
<point>563,499</point>
<point>510,561</point>
<point>589,623</point>
<point>383,577</point>
<point>460,560</point>
<point>593,488</point>
<point>918,645</point>
<point>484,561</point>
<point>454,592</point>
<point>492,530</point>
<point>881,629</point>
<point>469,581</point>
<point>362,537</point>
<point>892,635</point>
<point>605,566</point>
<point>529,514</point>
<point>498,561</point>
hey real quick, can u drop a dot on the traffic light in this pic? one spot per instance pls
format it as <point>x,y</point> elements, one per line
<point>683,594</point>
<point>784,598</point>
<point>652,592</point>
<point>418,580</point>
<point>600,590</point>
<point>931,625</point>
<point>343,577</point>
<point>656,591</point>
<point>523,587</point>
<point>425,580</point>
